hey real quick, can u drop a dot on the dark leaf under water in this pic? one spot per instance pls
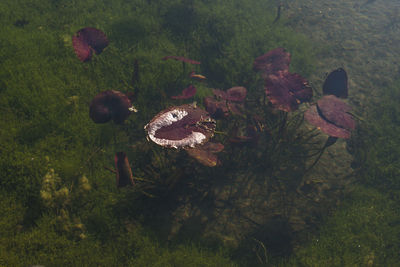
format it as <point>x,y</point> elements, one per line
<point>336,84</point>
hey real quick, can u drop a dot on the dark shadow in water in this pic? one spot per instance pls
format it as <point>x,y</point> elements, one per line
<point>180,18</point>
<point>129,31</point>
<point>273,239</point>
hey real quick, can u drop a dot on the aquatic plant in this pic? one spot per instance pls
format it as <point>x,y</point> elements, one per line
<point>58,199</point>
<point>188,92</point>
<point>88,40</point>
<point>225,102</point>
<point>131,245</point>
<point>336,83</point>
<point>110,105</point>
<point>123,171</point>
<point>205,154</point>
<point>272,62</point>
<point>331,115</point>
<point>180,127</point>
<point>45,94</point>
<point>285,90</point>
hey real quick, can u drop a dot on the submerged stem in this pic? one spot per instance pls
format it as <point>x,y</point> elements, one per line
<point>330,141</point>
<point>223,133</point>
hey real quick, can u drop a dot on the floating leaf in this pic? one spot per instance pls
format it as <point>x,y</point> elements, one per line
<point>205,153</point>
<point>273,61</point>
<point>287,90</point>
<point>237,94</point>
<point>216,108</point>
<point>110,105</point>
<point>336,84</point>
<point>186,93</point>
<point>335,111</point>
<point>124,172</point>
<point>331,116</point>
<point>180,127</point>
<point>87,40</point>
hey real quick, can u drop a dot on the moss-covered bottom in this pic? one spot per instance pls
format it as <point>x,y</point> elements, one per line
<point>41,244</point>
<point>58,201</point>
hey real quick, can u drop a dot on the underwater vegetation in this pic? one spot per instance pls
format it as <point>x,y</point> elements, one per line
<point>69,120</point>
<point>362,232</point>
<point>285,90</point>
<point>375,145</point>
<point>44,245</point>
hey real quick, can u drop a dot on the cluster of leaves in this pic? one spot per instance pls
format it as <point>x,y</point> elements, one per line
<point>364,230</point>
<point>44,95</point>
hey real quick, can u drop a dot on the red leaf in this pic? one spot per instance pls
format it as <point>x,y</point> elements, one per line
<point>186,93</point>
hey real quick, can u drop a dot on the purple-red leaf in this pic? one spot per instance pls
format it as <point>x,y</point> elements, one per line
<point>181,127</point>
<point>237,94</point>
<point>205,153</point>
<point>312,116</point>
<point>284,90</point>
<point>87,40</point>
<point>124,171</point>
<point>186,93</point>
<point>217,108</point>
<point>110,105</point>
<point>183,59</point>
<point>335,111</point>
<point>287,90</point>
<point>273,61</point>
<point>331,116</point>
<point>220,94</point>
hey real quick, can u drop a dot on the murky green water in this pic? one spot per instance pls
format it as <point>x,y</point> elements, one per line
<point>258,202</point>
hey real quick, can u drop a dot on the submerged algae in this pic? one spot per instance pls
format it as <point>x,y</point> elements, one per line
<point>130,245</point>
<point>376,145</point>
<point>363,232</point>
<point>38,78</point>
